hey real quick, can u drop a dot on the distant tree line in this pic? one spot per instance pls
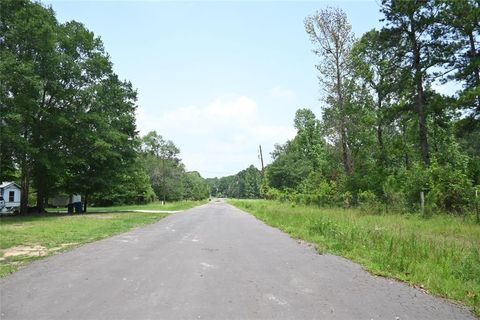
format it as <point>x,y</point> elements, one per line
<point>68,122</point>
<point>386,134</point>
<point>167,174</point>
<point>245,184</point>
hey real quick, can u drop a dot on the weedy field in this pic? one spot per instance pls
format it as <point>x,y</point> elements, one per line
<point>440,255</point>
<point>30,237</point>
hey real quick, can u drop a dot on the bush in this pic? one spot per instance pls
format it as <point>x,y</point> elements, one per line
<point>394,197</point>
<point>368,202</point>
<point>415,180</point>
<point>320,193</point>
<point>449,189</point>
<point>272,194</point>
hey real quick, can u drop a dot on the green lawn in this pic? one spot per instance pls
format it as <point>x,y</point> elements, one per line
<point>168,206</point>
<point>27,238</point>
<point>440,254</point>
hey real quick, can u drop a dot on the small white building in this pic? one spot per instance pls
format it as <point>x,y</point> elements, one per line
<point>9,197</point>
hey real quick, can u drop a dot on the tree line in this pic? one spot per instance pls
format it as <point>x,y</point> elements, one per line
<point>68,122</point>
<point>246,184</point>
<point>386,134</point>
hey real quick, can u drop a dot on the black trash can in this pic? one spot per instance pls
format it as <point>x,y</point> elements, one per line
<point>78,207</point>
<point>70,208</point>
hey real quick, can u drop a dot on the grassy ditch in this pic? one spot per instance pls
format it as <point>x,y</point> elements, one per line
<point>27,238</point>
<point>440,254</point>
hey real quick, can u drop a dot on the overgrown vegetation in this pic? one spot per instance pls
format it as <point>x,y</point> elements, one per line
<point>440,254</point>
<point>386,135</point>
<point>30,237</point>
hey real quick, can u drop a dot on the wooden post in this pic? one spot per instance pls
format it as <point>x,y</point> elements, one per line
<point>261,156</point>
<point>85,201</point>
<point>422,202</point>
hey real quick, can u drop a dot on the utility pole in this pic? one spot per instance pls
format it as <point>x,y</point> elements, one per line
<point>261,156</point>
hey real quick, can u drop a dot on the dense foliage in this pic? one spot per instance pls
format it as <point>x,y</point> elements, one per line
<point>386,133</point>
<point>167,173</point>
<point>245,184</point>
<point>68,122</point>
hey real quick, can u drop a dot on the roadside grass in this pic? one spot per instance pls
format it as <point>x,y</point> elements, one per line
<point>27,238</point>
<point>168,206</point>
<point>440,254</point>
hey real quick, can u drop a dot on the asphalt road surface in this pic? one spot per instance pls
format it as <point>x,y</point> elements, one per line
<point>211,262</point>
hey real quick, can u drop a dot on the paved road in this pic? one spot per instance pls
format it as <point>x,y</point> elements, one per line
<point>211,262</point>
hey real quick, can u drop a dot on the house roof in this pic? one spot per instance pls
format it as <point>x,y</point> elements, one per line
<point>7,183</point>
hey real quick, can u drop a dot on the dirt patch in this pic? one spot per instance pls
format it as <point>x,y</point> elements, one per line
<point>32,251</point>
<point>63,246</point>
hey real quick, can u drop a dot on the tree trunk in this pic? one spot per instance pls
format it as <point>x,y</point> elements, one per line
<point>343,130</point>
<point>381,145</point>
<point>85,201</point>
<point>422,124</point>
<point>25,186</point>
<point>345,153</point>
<point>406,157</point>
<point>476,70</point>
<point>420,103</point>
<point>41,194</point>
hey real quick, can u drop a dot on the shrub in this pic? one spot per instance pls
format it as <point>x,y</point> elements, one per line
<point>368,202</point>
<point>449,189</point>
<point>272,194</point>
<point>393,195</point>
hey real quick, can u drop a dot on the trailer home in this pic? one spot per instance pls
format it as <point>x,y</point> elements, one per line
<point>9,197</point>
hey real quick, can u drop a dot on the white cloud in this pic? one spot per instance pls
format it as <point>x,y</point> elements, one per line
<point>279,92</point>
<point>219,138</point>
<point>229,107</point>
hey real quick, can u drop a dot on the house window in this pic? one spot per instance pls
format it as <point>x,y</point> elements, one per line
<point>11,196</point>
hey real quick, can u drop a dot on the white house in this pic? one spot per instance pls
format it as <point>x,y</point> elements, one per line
<point>9,197</point>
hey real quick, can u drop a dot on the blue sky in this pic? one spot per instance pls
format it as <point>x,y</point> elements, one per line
<point>217,78</point>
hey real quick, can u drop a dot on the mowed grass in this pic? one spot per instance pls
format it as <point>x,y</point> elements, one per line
<point>440,254</point>
<point>27,238</point>
<point>168,206</point>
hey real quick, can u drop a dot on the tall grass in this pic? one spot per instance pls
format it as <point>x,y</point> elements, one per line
<point>440,254</point>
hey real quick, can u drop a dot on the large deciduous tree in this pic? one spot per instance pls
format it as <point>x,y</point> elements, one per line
<point>28,64</point>
<point>68,122</point>
<point>164,166</point>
